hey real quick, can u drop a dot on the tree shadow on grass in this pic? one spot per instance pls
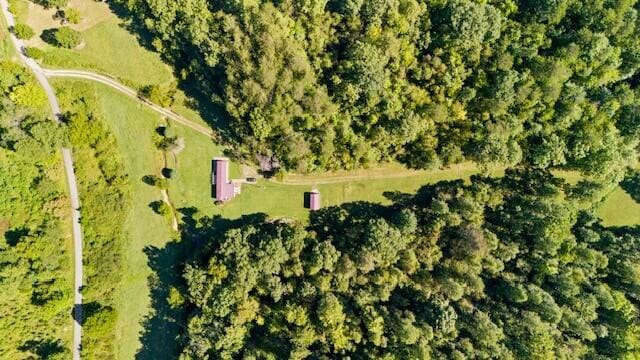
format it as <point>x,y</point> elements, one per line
<point>631,185</point>
<point>44,349</point>
<point>49,36</point>
<point>198,90</point>
<point>164,326</point>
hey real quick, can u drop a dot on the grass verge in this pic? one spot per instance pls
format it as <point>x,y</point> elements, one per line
<point>102,185</point>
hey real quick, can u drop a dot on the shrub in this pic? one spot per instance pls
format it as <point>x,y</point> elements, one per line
<point>68,38</point>
<point>156,181</point>
<point>175,298</point>
<point>73,16</point>
<point>160,207</point>
<point>34,53</point>
<point>23,31</point>
<point>48,4</point>
<point>29,95</point>
<point>163,95</point>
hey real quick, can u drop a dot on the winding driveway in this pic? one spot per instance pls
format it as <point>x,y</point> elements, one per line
<point>86,75</point>
<point>71,181</point>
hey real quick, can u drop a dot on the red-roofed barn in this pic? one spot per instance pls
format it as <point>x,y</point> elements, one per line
<point>225,190</point>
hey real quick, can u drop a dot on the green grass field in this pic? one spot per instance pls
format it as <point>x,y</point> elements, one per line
<point>130,122</point>
<point>619,209</point>
<point>112,50</point>
<point>108,47</point>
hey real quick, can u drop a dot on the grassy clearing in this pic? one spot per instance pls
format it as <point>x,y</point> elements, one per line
<point>112,50</point>
<point>619,209</point>
<point>387,171</point>
<point>108,47</point>
<point>39,18</point>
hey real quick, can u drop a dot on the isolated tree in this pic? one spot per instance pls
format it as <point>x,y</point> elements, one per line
<point>34,52</point>
<point>163,95</point>
<point>72,15</point>
<point>68,38</point>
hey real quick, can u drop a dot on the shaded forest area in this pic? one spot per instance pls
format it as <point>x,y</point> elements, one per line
<point>327,84</point>
<point>510,268</point>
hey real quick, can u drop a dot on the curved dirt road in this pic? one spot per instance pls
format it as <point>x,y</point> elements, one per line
<point>71,182</point>
<point>86,75</point>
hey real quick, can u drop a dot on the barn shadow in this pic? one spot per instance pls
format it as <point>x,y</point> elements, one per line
<point>306,201</point>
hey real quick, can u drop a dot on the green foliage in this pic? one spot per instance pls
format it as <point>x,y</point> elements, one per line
<point>48,4</point>
<point>161,208</point>
<point>35,264</point>
<point>631,184</point>
<point>34,52</point>
<point>163,95</point>
<point>23,31</point>
<point>166,142</point>
<point>98,325</point>
<point>175,298</point>
<point>72,15</point>
<point>29,95</point>
<point>103,188</point>
<point>156,181</point>
<point>66,37</point>
<point>502,269</point>
<point>346,84</point>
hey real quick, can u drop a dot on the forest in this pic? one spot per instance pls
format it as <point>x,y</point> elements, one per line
<point>509,268</point>
<point>328,84</point>
<point>35,256</point>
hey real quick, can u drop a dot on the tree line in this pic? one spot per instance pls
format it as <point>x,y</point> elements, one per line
<point>508,268</point>
<point>329,84</point>
<point>35,262</point>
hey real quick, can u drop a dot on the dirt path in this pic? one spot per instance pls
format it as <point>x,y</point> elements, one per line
<point>86,75</point>
<point>392,171</point>
<point>40,75</point>
<point>166,198</point>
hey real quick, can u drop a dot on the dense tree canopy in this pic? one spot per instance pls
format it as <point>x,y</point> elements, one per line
<point>35,286</point>
<point>340,84</point>
<point>501,268</point>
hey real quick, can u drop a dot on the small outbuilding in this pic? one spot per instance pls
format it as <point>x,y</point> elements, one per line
<point>314,200</point>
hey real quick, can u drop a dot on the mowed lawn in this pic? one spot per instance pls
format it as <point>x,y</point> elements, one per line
<point>112,50</point>
<point>107,48</point>
<point>619,209</point>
